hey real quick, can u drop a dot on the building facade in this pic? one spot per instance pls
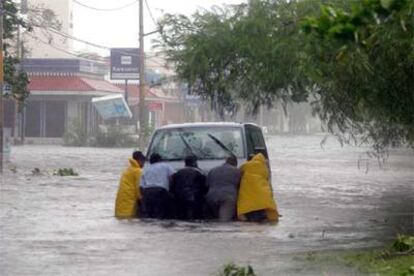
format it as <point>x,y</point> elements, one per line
<point>61,91</point>
<point>52,22</point>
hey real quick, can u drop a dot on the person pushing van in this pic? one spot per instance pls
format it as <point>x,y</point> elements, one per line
<point>255,201</point>
<point>188,188</point>
<point>155,185</point>
<point>223,183</point>
<point>126,204</point>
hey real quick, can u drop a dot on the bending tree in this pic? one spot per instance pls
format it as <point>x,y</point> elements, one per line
<point>352,60</point>
<point>365,70</point>
<point>241,52</point>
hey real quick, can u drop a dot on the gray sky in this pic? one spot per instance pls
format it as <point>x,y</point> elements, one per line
<point>120,28</point>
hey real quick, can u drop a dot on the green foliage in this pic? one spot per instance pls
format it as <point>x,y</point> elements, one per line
<point>108,136</point>
<point>398,260</point>
<point>364,73</point>
<point>353,60</point>
<point>248,52</point>
<point>374,263</point>
<point>234,270</point>
<point>12,21</point>
<point>113,136</point>
<point>13,74</point>
<point>65,172</point>
<point>13,169</point>
<point>149,129</point>
<point>75,134</point>
<point>404,243</point>
<point>395,260</point>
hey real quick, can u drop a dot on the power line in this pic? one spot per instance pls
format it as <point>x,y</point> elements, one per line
<point>71,53</point>
<point>103,9</point>
<point>69,36</point>
<point>150,13</point>
<point>78,39</point>
<point>66,35</point>
<point>155,61</point>
<point>63,50</point>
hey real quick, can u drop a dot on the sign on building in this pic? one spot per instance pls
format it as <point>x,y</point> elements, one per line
<point>193,100</point>
<point>125,63</point>
<point>112,106</point>
<point>154,106</point>
<point>7,89</point>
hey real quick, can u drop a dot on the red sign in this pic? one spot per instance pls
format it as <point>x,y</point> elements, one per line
<point>154,106</point>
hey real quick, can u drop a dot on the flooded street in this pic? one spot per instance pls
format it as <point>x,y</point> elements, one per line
<point>331,198</point>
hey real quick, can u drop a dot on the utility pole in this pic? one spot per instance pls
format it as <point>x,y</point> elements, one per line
<point>23,110</point>
<point>142,108</point>
<point>1,89</point>
<point>23,11</point>
<point>14,130</point>
<point>126,91</point>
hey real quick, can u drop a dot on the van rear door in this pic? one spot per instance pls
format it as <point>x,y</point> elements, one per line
<point>256,144</point>
<point>255,141</point>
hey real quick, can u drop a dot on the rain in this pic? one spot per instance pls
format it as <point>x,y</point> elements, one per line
<point>85,83</point>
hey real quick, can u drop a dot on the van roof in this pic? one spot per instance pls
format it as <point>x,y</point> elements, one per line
<point>207,124</point>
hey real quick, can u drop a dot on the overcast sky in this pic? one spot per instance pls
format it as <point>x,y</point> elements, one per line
<point>120,28</point>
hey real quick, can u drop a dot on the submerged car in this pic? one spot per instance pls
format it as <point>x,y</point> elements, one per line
<point>211,143</point>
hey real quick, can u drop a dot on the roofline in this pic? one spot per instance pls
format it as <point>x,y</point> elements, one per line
<point>206,124</point>
<point>71,93</point>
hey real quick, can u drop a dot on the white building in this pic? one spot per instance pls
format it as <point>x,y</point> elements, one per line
<point>49,40</point>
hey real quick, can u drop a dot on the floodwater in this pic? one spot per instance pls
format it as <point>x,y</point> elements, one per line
<point>331,198</point>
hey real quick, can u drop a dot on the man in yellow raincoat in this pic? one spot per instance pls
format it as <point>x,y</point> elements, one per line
<point>255,200</point>
<point>126,204</point>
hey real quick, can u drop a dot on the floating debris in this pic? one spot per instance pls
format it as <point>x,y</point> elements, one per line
<point>36,172</point>
<point>65,172</point>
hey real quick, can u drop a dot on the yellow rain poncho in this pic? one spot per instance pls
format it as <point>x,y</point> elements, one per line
<point>255,192</point>
<point>128,192</point>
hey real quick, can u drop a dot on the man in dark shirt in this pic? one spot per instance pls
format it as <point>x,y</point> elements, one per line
<point>223,183</point>
<point>188,188</point>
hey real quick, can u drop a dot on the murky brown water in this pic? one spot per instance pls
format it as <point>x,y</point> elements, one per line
<point>64,225</point>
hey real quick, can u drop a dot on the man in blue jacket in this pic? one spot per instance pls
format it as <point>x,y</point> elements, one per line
<point>155,184</point>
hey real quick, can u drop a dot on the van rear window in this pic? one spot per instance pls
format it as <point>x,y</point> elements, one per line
<point>203,142</point>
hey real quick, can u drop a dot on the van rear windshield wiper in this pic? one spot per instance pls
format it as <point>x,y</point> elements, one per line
<point>218,142</point>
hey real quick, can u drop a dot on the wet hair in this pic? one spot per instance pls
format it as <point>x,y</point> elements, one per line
<point>138,156</point>
<point>232,160</point>
<point>155,158</point>
<point>190,161</point>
